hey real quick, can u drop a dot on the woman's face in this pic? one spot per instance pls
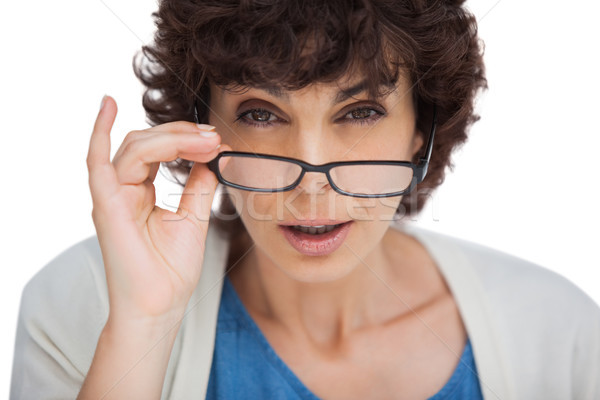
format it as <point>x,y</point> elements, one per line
<point>317,124</point>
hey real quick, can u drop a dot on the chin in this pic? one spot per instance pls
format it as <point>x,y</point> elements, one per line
<point>311,269</point>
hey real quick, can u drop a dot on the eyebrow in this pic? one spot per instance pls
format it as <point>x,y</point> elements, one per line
<point>276,91</point>
<point>342,95</point>
<point>360,87</point>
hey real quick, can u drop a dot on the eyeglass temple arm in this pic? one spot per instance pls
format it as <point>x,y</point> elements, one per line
<point>424,160</point>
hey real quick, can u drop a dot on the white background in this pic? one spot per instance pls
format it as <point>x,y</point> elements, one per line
<point>526,182</point>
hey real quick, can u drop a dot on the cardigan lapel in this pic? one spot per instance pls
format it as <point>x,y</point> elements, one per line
<point>469,294</point>
<point>191,359</point>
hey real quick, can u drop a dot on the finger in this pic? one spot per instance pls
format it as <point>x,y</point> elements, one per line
<point>135,163</point>
<point>155,166</point>
<point>197,196</point>
<point>101,173</point>
<point>180,127</point>
<point>170,127</point>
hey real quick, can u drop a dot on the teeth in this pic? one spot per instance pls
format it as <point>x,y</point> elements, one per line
<point>313,230</point>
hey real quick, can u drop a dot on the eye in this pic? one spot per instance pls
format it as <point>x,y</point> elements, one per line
<point>364,115</point>
<point>256,117</point>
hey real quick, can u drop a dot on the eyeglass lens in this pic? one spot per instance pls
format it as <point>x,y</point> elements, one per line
<point>264,173</point>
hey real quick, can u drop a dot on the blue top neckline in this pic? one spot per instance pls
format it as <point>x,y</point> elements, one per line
<point>459,374</point>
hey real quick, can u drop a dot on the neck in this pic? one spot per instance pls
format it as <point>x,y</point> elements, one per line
<point>373,293</point>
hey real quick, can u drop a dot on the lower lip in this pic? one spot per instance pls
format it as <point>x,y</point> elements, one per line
<point>316,245</point>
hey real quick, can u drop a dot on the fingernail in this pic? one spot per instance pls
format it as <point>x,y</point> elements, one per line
<point>102,102</point>
<point>205,127</point>
<point>208,134</point>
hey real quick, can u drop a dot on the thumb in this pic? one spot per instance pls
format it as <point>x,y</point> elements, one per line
<point>197,197</point>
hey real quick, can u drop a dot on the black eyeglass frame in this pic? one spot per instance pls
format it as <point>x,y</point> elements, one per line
<point>419,169</point>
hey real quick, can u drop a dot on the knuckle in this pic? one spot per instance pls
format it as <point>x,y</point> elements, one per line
<point>96,214</point>
<point>91,163</point>
<point>188,216</point>
<point>132,136</point>
<point>132,146</point>
<point>100,212</point>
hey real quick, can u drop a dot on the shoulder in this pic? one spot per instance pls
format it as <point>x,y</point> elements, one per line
<point>73,281</point>
<point>63,309</point>
<point>505,277</point>
<point>543,326</point>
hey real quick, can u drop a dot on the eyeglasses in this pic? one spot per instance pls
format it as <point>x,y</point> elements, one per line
<point>365,178</point>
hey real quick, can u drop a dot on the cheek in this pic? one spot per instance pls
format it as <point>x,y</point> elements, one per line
<point>388,206</point>
<point>375,210</point>
<point>231,138</point>
<point>250,205</point>
<point>257,210</point>
<point>379,146</point>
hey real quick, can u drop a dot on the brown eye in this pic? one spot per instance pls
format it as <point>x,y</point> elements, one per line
<point>362,113</point>
<point>260,115</point>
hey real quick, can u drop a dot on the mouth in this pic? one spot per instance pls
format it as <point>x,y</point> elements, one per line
<point>316,238</point>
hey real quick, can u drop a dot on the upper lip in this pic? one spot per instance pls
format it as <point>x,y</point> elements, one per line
<point>313,222</point>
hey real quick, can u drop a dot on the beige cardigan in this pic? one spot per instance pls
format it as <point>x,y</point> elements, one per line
<point>534,334</point>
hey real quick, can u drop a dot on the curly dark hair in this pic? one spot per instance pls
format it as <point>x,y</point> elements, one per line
<point>291,44</point>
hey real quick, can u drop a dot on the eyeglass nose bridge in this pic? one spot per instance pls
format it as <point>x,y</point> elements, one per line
<point>321,168</point>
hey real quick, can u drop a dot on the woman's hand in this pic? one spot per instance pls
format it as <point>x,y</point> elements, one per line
<point>152,257</point>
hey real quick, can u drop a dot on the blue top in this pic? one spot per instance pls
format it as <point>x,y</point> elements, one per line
<point>246,366</point>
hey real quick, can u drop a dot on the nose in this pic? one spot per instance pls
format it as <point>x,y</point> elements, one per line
<point>311,146</point>
<point>314,183</point>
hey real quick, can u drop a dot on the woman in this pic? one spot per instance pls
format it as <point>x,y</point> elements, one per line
<point>181,305</point>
